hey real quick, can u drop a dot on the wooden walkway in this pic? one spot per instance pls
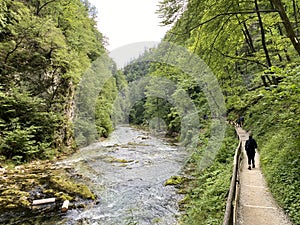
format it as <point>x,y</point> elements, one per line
<point>256,204</point>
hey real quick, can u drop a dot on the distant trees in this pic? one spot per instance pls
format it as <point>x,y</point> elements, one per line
<point>163,94</point>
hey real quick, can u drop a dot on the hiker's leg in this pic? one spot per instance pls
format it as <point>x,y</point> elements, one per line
<point>253,161</point>
<point>249,161</point>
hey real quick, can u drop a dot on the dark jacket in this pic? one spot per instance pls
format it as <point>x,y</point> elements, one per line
<point>250,145</point>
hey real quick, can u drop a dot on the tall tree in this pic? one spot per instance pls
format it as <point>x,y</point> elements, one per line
<point>287,24</point>
<point>263,36</point>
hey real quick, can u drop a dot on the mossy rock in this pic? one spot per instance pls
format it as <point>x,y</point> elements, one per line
<point>14,199</point>
<point>22,184</point>
<point>23,201</point>
<point>11,206</point>
<point>15,192</point>
<point>175,180</point>
<point>63,196</point>
<point>182,203</point>
<point>156,220</point>
<point>65,185</point>
<point>48,192</point>
<point>117,160</point>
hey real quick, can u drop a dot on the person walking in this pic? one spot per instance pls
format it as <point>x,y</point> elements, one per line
<point>250,147</point>
<point>240,121</point>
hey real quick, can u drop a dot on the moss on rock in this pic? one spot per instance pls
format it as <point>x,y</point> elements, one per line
<point>175,180</point>
<point>66,185</point>
<point>21,185</point>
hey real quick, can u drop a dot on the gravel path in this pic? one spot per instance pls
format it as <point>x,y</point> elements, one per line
<point>256,204</point>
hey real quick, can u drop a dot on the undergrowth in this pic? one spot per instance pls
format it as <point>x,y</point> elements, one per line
<point>274,122</point>
<point>206,196</point>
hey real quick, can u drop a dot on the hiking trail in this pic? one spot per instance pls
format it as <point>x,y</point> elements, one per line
<point>256,204</point>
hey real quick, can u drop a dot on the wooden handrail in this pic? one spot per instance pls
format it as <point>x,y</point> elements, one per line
<point>232,199</point>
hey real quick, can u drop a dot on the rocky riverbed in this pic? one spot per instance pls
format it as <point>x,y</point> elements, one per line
<point>21,185</point>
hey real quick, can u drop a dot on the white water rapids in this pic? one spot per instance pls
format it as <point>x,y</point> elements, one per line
<point>127,172</point>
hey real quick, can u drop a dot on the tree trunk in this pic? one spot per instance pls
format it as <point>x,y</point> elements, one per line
<point>279,57</point>
<point>263,78</point>
<point>295,15</point>
<point>288,58</point>
<point>281,33</point>
<point>263,36</point>
<point>287,24</point>
<point>268,78</point>
<point>248,35</point>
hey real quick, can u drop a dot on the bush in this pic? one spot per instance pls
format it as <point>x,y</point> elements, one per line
<point>27,129</point>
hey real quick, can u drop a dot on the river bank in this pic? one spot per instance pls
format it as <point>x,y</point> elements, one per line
<point>21,185</point>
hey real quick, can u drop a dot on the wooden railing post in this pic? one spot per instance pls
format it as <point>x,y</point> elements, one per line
<point>232,199</point>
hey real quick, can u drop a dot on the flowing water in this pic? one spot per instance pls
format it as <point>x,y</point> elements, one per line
<point>127,172</point>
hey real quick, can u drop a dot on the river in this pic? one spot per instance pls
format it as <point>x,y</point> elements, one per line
<point>127,172</point>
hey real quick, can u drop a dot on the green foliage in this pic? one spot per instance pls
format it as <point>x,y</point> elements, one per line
<point>103,109</point>
<point>205,200</point>
<point>275,120</point>
<point>45,46</point>
<point>136,70</point>
<point>27,130</point>
<point>164,100</point>
<point>228,36</point>
<point>19,143</point>
<point>280,161</point>
<point>95,101</point>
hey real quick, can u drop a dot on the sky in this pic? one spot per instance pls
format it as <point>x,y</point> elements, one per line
<point>125,22</point>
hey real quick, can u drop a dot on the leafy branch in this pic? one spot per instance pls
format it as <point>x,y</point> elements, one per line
<point>241,58</point>
<point>227,14</point>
